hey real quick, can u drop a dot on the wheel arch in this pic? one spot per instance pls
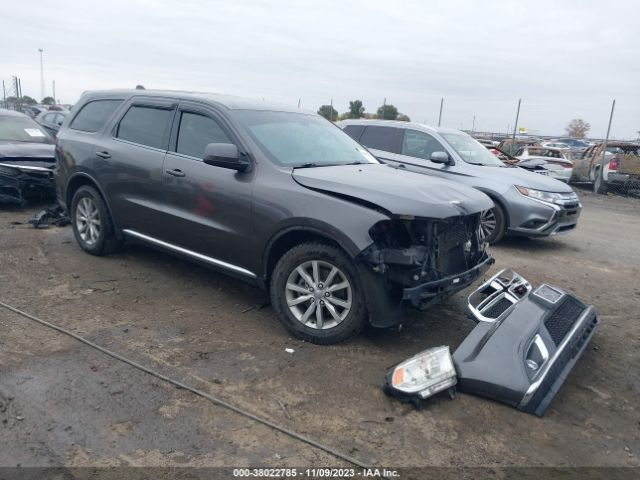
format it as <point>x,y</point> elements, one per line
<point>81,179</point>
<point>288,238</point>
<point>500,203</point>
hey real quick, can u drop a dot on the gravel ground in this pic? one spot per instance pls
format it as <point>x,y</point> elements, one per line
<point>62,403</point>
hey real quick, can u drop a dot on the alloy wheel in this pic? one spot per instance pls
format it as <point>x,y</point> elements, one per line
<point>318,294</point>
<point>88,221</point>
<point>488,224</point>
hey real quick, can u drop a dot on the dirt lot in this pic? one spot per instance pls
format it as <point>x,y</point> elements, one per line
<point>63,403</point>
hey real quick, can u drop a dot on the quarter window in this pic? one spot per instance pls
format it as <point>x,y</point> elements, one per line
<point>380,138</point>
<point>94,115</point>
<point>196,132</point>
<point>145,126</point>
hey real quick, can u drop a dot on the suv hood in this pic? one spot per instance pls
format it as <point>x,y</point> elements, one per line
<point>524,178</point>
<point>397,191</point>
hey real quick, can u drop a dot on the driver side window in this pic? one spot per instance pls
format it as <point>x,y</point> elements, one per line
<point>419,144</point>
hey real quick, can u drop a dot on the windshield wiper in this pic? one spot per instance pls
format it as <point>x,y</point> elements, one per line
<point>314,165</point>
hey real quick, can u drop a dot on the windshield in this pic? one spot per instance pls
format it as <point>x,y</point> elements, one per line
<point>471,150</point>
<point>21,129</point>
<point>298,139</point>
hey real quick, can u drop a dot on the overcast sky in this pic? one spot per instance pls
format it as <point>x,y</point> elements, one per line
<point>565,59</point>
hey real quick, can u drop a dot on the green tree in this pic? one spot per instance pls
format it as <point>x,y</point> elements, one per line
<point>328,112</point>
<point>578,128</point>
<point>27,100</point>
<point>388,112</point>
<point>403,118</point>
<point>356,109</point>
<point>48,101</point>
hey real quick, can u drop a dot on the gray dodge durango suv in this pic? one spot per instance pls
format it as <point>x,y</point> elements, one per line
<point>275,196</point>
<point>526,203</point>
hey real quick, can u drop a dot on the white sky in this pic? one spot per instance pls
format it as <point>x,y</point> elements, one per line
<point>565,59</point>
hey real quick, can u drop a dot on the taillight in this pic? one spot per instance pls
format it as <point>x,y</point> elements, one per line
<point>613,164</point>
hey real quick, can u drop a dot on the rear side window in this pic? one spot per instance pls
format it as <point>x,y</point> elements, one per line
<point>380,138</point>
<point>94,115</point>
<point>145,126</point>
<point>196,132</point>
<point>354,131</point>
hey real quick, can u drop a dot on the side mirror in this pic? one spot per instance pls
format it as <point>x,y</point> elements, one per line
<point>225,155</point>
<point>441,157</point>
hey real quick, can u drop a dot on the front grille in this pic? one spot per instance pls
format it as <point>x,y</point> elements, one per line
<point>563,318</point>
<point>497,309</point>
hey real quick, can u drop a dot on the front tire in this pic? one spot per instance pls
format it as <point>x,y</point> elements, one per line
<point>493,224</point>
<point>92,225</point>
<point>317,294</point>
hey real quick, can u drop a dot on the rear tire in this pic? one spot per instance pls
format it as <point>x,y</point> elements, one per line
<point>91,222</point>
<point>493,224</point>
<point>317,294</point>
<point>599,186</point>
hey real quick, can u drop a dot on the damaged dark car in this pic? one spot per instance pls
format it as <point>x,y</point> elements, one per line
<point>27,160</point>
<point>275,196</point>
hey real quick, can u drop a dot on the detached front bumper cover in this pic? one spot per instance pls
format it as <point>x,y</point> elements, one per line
<point>525,344</point>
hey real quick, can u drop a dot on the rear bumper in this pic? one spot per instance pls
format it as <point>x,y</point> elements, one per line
<point>426,294</point>
<point>623,179</point>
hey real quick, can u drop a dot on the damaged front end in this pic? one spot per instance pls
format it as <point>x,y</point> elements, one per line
<point>421,261</point>
<point>21,182</point>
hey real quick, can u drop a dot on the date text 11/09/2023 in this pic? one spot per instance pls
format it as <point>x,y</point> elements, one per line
<point>316,472</point>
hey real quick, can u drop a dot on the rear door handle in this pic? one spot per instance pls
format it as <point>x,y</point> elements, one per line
<point>176,173</point>
<point>103,154</point>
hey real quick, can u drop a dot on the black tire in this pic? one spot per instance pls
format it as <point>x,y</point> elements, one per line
<point>500,228</point>
<point>106,240</point>
<point>599,186</point>
<point>356,316</point>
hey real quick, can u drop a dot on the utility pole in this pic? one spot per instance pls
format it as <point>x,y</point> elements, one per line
<point>299,100</point>
<point>473,125</point>
<point>604,149</point>
<point>331,111</point>
<point>515,127</point>
<point>384,106</point>
<point>4,95</point>
<point>41,76</point>
<point>440,116</point>
<point>55,101</point>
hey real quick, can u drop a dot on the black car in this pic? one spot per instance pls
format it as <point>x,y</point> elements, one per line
<point>27,159</point>
<point>275,196</point>
<point>52,120</point>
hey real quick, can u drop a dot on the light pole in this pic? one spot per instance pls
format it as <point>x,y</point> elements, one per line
<point>41,76</point>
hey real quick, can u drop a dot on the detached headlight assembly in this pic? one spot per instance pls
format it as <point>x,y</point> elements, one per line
<point>547,197</point>
<point>422,376</point>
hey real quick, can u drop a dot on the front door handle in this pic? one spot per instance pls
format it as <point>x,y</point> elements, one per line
<point>176,173</point>
<point>103,154</point>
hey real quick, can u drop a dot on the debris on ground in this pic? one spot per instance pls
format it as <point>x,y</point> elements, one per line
<point>289,350</point>
<point>54,214</point>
